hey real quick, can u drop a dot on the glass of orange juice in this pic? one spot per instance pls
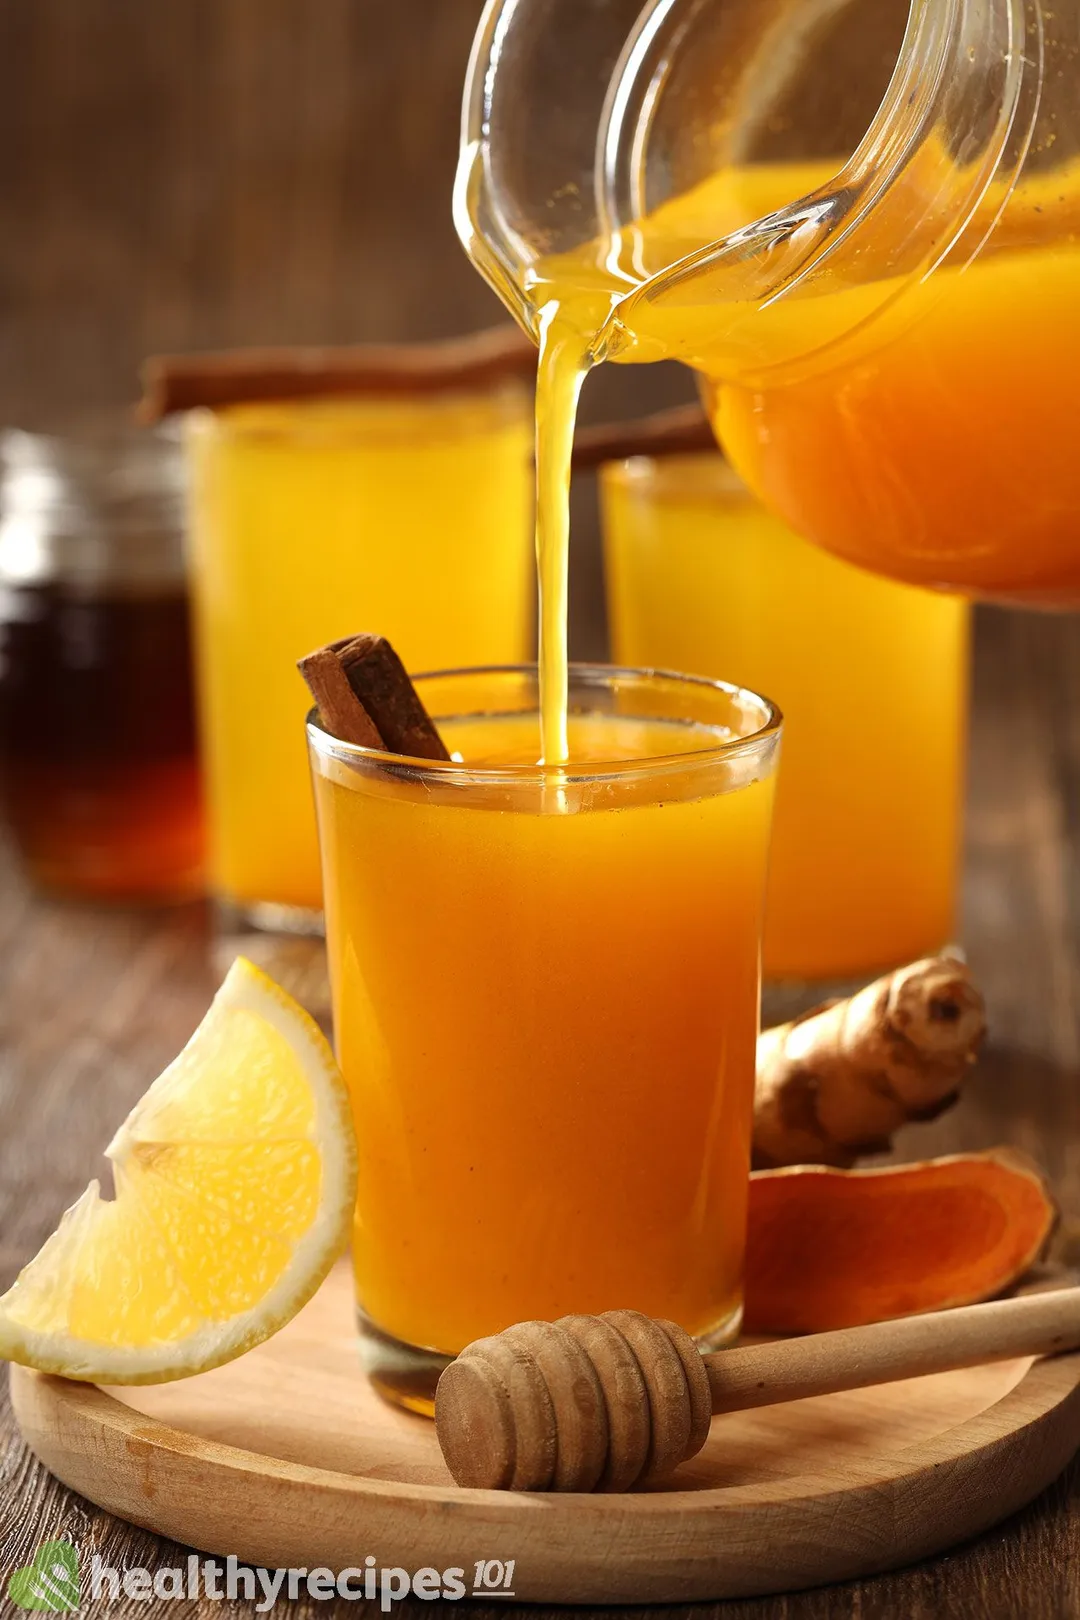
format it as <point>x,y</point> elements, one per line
<point>872,677</point>
<point>408,513</point>
<point>546,996</point>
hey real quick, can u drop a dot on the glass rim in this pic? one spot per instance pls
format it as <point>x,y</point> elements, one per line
<point>459,772</point>
<point>710,474</point>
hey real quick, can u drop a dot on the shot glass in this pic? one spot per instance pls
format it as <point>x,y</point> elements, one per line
<point>546,997</point>
<point>406,513</point>
<point>873,680</point>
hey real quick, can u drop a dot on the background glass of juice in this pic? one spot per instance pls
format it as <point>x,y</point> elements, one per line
<point>873,680</point>
<point>546,992</point>
<point>407,515</point>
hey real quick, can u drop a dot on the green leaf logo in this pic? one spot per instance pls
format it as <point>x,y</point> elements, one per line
<point>51,1582</point>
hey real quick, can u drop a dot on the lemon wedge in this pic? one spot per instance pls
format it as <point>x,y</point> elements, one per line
<point>235,1180</point>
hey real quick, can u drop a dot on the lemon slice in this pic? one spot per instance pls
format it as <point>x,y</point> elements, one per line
<point>235,1179</point>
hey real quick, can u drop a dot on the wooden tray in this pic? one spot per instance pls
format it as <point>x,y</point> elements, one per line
<point>286,1458</point>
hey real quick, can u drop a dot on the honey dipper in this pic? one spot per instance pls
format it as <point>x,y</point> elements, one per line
<point>606,1403</point>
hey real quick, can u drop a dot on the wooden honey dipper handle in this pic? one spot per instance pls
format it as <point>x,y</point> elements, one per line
<point>609,1402</point>
<point>853,1358</point>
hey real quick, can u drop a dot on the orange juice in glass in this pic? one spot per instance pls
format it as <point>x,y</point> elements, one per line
<point>546,991</point>
<point>410,513</point>
<point>872,677</point>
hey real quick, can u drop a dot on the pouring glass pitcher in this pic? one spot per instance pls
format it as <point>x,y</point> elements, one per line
<point>858,220</point>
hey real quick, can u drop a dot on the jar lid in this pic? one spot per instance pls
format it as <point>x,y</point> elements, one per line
<point>101,500</point>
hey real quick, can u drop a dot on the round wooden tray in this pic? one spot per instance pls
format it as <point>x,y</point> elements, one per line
<point>287,1459</point>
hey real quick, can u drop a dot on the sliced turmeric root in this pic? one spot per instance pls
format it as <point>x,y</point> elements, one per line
<point>833,1248</point>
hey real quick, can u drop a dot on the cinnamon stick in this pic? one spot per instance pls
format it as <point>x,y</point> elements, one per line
<point>381,682</point>
<point>682,430</point>
<point>183,382</point>
<point>340,710</point>
<point>361,686</point>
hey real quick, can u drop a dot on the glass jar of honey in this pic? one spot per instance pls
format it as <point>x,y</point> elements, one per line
<point>99,781</point>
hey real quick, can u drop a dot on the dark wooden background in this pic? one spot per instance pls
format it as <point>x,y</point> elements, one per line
<point>185,173</point>
<point>198,173</point>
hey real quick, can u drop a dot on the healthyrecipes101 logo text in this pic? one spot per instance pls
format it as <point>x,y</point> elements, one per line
<point>53,1582</point>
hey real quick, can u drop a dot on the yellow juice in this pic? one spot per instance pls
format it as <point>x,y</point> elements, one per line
<point>872,679</point>
<point>408,516</point>
<point>945,454</point>
<point>919,425</point>
<point>546,1001</point>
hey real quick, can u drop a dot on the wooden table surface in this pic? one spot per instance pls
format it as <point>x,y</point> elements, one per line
<point>94,1003</point>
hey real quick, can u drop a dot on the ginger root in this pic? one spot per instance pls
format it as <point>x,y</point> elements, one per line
<point>836,1083</point>
<point>835,1248</point>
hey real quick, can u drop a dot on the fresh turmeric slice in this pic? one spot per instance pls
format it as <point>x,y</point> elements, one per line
<point>834,1248</point>
<point>835,1084</point>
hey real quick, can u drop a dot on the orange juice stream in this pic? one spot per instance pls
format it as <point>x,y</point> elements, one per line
<point>563,373</point>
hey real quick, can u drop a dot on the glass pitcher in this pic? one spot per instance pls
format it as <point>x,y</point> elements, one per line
<point>858,220</point>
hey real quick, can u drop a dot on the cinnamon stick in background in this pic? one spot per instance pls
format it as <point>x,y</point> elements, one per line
<point>183,382</point>
<point>363,690</point>
<point>682,430</point>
